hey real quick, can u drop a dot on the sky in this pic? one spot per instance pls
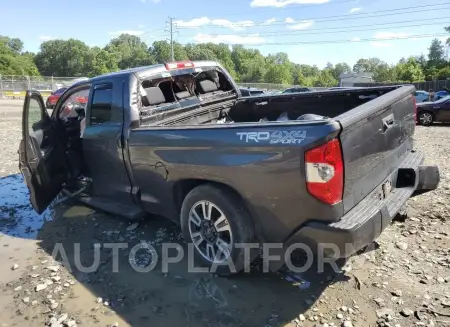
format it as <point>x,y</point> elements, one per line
<point>311,32</point>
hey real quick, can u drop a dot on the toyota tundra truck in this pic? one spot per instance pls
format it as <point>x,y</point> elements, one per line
<point>178,140</point>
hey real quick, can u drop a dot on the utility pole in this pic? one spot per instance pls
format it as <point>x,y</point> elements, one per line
<point>171,30</point>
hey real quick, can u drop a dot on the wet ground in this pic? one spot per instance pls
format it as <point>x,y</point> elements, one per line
<point>407,270</point>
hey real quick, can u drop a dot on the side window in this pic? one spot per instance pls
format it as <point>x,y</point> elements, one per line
<point>34,117</point>
<point>101,105</point>
<point>74,105</point>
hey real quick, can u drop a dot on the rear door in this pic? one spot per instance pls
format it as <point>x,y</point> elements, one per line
<point>41,159</point>
<point>375,138</point>
<point>442,113</point>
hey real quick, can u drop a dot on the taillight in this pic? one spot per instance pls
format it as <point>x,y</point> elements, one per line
<point>325,172</point>
<point>179,65</point>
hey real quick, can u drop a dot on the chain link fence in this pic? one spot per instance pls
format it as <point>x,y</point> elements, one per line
<point>15,86</point>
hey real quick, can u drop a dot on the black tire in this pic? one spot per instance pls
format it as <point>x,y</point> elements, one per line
<point>425,118</point>
<point>239,219</point>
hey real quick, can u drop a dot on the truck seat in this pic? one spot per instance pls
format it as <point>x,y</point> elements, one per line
<point>154,96</point>
<point>206,86</point>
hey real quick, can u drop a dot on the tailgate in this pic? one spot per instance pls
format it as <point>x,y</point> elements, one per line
<point>375,138</point>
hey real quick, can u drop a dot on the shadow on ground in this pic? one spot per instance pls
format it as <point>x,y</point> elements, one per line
<point>153,298</point>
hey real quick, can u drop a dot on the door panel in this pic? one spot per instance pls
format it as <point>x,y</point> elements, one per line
<point>444,112</point>
<point>102,143</point>
<point>41,159</point>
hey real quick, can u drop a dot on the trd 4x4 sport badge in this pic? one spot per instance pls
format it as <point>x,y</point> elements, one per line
<point>277,137</point>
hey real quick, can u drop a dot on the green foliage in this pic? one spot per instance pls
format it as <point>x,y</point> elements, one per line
<point>64,58</point>
<point>409,71</point>
<point>12,61</point>
<point>436,55</point>
<point>444,73</point>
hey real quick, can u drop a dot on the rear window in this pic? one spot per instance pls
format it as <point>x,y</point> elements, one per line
<point>183,90</point>
<point>101,105</point>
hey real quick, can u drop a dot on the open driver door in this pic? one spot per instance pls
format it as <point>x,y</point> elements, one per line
<point>41,155</point>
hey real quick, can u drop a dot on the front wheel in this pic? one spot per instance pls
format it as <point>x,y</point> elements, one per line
<point>426,118</point>
<point>214,220</point>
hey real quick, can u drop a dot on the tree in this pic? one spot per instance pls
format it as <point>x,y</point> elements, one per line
<point>409,71</point>
<point>325,78</point>
<point>309,71</point>
<point>14,44</point>
<point>361,66</point>
<point>12,62</point>
<point>63,58</point>
<point>436,55</point>
<point>384,73</point>
<point>367,65</point>
<point>130,51</point>
<point>340,68</point>
<point>443,73</point>
<point>102,62</point>
<point>447,29</point>
<point>278,74</point>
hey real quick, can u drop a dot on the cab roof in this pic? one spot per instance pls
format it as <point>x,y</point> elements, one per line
<point>146,71</point>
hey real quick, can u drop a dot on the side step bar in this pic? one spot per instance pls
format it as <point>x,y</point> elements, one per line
<point>130,212</point>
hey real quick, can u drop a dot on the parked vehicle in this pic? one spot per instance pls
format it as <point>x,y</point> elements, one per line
<point>297,90</point>
<point>53,98</point>
<point>421,96</point>
<point>437,111</point>
<point>441,94</point>
<point>177,140</point>
<point>248,92</point>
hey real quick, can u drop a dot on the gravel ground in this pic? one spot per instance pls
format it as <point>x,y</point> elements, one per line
<point>403,281</point>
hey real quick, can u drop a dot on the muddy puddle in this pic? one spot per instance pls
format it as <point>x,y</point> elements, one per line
<point>17,217</point>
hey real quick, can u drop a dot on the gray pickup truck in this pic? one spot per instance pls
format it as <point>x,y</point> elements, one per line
<point>178,140</point>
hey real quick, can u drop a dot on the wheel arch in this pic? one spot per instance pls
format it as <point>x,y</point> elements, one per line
<point>426,111</point>
<point>181,189</point>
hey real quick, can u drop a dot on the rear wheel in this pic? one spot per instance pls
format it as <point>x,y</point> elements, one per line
<point>214,220</point>
<point>426,118</point>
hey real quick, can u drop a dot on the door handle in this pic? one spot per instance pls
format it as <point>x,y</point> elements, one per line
<point>388,122</point>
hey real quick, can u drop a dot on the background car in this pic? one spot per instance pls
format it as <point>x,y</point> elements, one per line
<point>437,111</point>
<point>440,94</point>
<point>296,90</point>
<point>421,96</point>
<point>53,98</point>
<point>248,92</point>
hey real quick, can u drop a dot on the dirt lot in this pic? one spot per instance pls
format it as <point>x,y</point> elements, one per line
<point>403,281</point>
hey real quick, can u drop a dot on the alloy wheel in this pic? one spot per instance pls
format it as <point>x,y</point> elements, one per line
<point>210,231</point>
<point>426,118</point>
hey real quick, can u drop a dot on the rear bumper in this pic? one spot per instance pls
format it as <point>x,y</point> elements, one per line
<point>365,222</point>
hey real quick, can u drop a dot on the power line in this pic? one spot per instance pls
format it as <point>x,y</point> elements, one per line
<point>420,36</point>
<point>342,17</point>
<point>334,30</point>
<point>277,9</point>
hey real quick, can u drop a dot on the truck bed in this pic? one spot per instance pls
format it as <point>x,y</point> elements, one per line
<point>265,161</point>
<point>267,108</point>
